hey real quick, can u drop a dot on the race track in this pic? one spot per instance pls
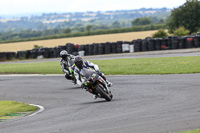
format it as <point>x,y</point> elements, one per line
<point>141,104</point>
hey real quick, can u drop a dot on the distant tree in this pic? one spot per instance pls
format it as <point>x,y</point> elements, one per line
<point>187,16</point>
<point>79,27</point>
<point>41,27</point>
<point>67,30</point>
<point>161,21</point>
<point>88,28</point>
<point>181,31</point>
<point>103,26</point>
<point>161,33</point>
<point>141,21</point>
<point>154,19</point>
<point>116,24</point>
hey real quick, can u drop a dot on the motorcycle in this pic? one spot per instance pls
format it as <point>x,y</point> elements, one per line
<point>98,86</point>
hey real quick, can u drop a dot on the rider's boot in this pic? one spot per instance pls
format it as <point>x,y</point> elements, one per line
<point>95,97</point>
<point>74,80</point>
<point>108,83</point>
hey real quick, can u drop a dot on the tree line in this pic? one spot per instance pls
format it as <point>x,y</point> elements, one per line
<point>183,20</point>
<point>139,24</point>
<point>88,32</point>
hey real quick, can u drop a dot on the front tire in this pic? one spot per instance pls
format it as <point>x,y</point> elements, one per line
<point>103,94</point>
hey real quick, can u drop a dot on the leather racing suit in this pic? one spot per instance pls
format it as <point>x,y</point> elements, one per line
<point>66,65</point>
<point>83,74</point>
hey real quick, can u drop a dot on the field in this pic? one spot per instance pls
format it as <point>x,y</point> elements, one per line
<point>20,46</point>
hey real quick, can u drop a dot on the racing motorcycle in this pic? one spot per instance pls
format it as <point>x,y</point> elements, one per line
<point>73,80</point>
<point>97,85</point>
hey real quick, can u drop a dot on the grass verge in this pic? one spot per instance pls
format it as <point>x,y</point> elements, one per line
<point>12,108</point>
<point>193,131</point>
<point>164,65</point>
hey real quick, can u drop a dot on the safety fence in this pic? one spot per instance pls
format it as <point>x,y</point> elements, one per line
<point>147,44</point>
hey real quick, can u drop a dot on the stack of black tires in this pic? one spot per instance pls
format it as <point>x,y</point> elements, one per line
<point>7,56</point>
<point>138,45</point>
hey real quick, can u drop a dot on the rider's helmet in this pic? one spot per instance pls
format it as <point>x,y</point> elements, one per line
<point>79,62</point>
<point>64,54</point>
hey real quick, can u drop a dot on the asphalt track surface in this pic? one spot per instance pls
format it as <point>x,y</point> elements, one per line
<point>141,103</point>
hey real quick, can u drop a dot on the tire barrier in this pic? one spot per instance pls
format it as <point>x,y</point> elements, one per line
<point>76,48</point>
<point>2,56</point>
<point>144,45</point>
<point>87,49</point>
<point>157,44</point>
<point>90,49</point>
<point>75,53</point>
<point>119,46</point>
<point>81,48</point>
<point>189,42</point>
<point>169,43</point>
<point>34,53</point>
<point>174,43</point>
<point>47,52</point>
<point>96,49</point>
<point>181,42</point>
<point>163,44</point>
<point>21,54</point>
<point>108,47</point>
<point>101,48</point>
<point>113,47</point>
<point>197,41</point>
<point>126,47</point>
<point>70,48</point>
<point>139,45</point>
<point>81,53</point>
<point>151,45</point>
<point>131,47</point>
<point>7,56</point>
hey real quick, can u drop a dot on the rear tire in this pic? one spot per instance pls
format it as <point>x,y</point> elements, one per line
<point>103,94</point>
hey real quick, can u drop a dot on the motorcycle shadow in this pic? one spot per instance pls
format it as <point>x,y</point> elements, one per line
<point>74,88</point>
<point>99,101</point>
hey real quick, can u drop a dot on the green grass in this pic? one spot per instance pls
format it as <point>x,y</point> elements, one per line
<point>194,131</point>
<point>10,108</point>
<point>169,65</point>
<point>32,68</point>
<point>165,65</point>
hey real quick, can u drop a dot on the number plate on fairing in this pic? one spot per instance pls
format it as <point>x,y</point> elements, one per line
<point>93,75</point>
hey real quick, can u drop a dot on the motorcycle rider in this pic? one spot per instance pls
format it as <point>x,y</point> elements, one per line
<point>66,62</point>
<point>82,68</point>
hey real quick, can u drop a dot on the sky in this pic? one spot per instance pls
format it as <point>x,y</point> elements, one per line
<point>13,7</point>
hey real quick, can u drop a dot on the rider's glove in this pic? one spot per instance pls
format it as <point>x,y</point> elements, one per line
<point>85,85</point>
<point>98,72</point>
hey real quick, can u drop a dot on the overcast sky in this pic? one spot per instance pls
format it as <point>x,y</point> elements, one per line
<point>11,7</point>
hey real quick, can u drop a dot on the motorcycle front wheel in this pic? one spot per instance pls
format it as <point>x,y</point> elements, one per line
<point>103,94</point>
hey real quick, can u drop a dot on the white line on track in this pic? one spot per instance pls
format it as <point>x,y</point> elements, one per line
<point>41,108</point>
<point>29,75</point>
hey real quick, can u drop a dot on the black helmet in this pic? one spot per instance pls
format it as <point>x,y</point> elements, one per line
<point>64,54</point>
<point>79,62</point>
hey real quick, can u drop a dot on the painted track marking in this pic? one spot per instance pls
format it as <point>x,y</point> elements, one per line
<point>41,108</point>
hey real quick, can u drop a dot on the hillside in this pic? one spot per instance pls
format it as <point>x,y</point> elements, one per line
<point>78,20</point>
